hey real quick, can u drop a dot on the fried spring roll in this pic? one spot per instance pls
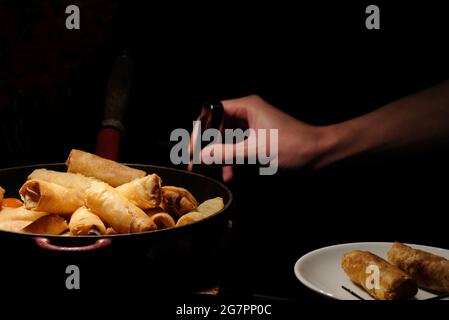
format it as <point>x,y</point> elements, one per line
<point>430,271</point>
<point>106,170</point>
<point>204,210</point>
<point>84,222</point>
<point>110,231</point>
<point>15,219</point>
<point>117,211</point>
<point>394,284</point>
<point>190,217</point>
<point>51,225</point>
<point>13,225</point>
<point>211,206</point>
<point>2,193</point>
<point>177,201</point>
<point>144,192</point>
<point>49,197</point>
<point>163,220</point>
<point>74,181</point>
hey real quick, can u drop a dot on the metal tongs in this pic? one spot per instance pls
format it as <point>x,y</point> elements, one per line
<point>211,117</point>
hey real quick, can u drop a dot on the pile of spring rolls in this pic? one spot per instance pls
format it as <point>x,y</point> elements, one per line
<point>97,196</point>
<point>406,270</point>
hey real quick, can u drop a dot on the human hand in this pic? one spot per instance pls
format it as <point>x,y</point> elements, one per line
<point>297,142</point>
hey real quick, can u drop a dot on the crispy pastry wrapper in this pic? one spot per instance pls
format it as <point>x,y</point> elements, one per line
<point>144,192</point>
<point>177,201</point>
<point>117,211</point>
<point>110,231</point>
<point>15,219</point>
<point>211,206</point>
<point>430,271</point>
<point>105,170</point>
<point>163,220</point>
<point>394,283</point>
<point>190,217</point>
<point>204,210</point>
<point>84,222</point>
<point>51,225</point>
<point>49,197</point>
<point>76,182</point>
<point>2,193</point>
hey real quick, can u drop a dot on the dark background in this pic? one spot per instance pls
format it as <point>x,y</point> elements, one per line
<point>315,61</point>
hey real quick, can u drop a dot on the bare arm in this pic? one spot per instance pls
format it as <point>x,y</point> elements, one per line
<point>413,121</point>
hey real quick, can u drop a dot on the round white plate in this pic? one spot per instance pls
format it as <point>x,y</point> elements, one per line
<point>321,271</point>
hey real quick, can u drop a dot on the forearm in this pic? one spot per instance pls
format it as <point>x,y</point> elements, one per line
<point>409,122</point>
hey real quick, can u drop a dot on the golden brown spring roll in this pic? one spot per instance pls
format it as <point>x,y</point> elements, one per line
<point>15,219</point>
<point>429,270</point>
<point>153,211</point>
<point>49,197</point>
<point>204,210</point>
<point>211,206</point>
<point>394,284</point>
<point>106,170</point>
<point>144,192</point>
<point>51,224</point>
<point>190,217</point>
<point>163,220</point>
<point>13,225</point>
<point>74,181</point>
<point>116,210</point>
<point>110,231</point>
<point>2,193</point>
<point>84,222</point>
<point>177,201</point>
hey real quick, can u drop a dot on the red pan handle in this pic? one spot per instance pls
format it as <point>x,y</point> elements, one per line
<point>108,143</point>
<point>45,243</point>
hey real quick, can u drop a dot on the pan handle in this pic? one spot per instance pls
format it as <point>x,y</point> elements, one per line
<point>45,243</point>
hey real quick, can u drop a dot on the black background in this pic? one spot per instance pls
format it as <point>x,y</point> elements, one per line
<point>315,61</point>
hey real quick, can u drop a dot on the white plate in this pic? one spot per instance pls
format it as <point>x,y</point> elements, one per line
<point>321,271</point>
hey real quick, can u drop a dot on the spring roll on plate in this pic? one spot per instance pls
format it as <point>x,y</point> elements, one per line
<point>117,211</point>
<point>430,271</point>
<point>49,197</point>
<point>105,170</point>
<point>143,192</point>
<point>84,222</point>
<point>394,284</point>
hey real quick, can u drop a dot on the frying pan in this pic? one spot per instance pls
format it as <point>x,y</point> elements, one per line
<point>193,250</point>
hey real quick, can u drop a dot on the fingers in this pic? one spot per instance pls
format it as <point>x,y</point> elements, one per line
<point>240,108</point>
<point>223,154</point>
<point>228,173</point>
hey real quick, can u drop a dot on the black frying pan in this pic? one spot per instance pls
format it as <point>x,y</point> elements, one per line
<point>192,249</point>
